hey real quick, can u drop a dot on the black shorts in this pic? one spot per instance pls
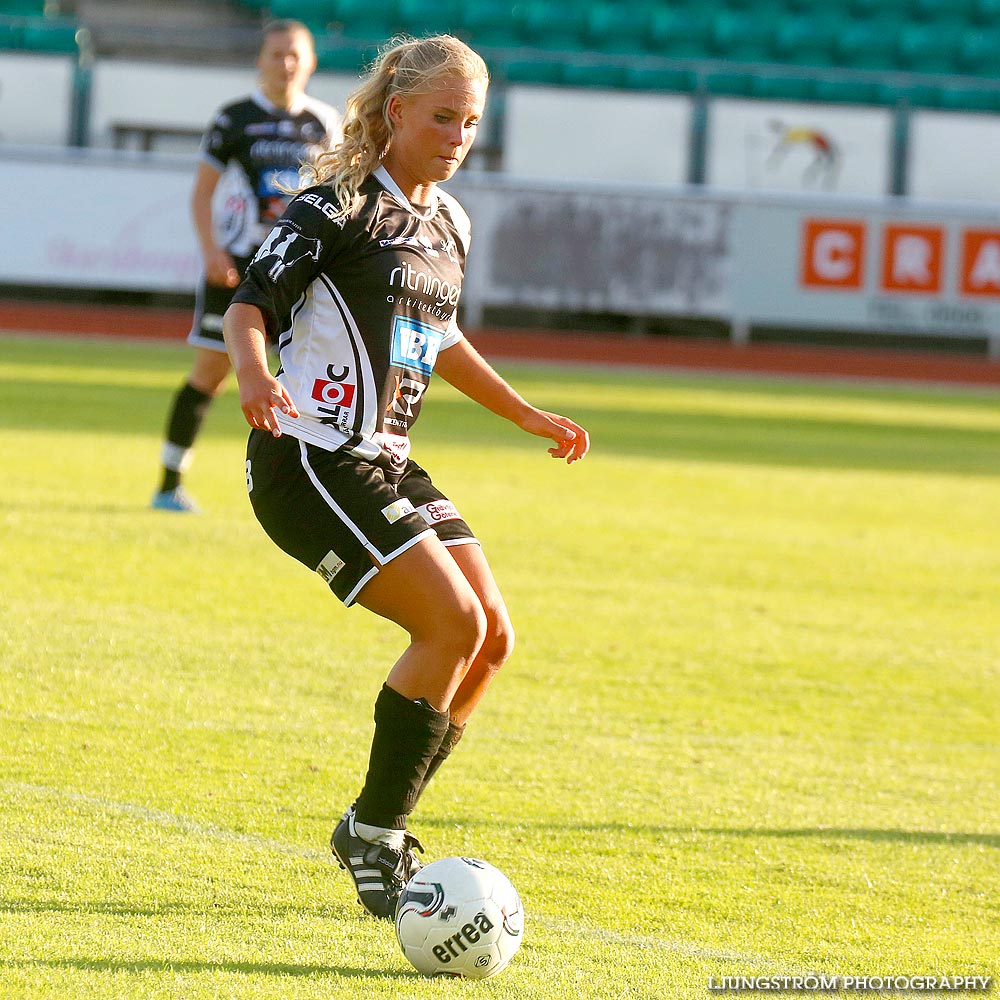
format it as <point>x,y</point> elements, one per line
<point>340,515</point>
<point>210,305</point>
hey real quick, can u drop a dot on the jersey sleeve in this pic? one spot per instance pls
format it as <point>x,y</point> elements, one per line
<point>452,335</point>
<point>296,250</point>
<point>217,142</point>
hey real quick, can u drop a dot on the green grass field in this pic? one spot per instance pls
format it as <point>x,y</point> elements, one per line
<point>751,726</point>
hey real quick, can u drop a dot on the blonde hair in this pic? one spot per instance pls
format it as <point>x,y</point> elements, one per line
<point>407,66</point>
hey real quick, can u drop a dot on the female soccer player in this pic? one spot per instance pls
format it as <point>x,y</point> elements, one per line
<point>359,283</point>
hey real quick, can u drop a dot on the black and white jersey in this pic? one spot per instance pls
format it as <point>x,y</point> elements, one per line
<point>360,310</point>
<point>259,148</point>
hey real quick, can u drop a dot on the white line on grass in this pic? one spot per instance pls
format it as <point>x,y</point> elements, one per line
<point>185,824</point>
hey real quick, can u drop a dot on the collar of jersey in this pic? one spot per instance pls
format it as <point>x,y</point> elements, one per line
<point>385,179</point>
<point>259,98</point>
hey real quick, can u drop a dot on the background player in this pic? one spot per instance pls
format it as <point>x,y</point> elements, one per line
<point>250,158</point>
<point>372,260</point>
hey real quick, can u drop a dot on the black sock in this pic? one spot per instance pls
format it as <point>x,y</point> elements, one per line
<point>183,424</point>
<point>407,736</point>
<point>448,744</point>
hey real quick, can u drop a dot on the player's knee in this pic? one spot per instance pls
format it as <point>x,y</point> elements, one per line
<point>498,644</point>
<point>460,630</point>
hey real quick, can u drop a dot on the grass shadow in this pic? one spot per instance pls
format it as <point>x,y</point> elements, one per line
<point>769,440</point>
<point>139,966</point>
<point>873,835</point>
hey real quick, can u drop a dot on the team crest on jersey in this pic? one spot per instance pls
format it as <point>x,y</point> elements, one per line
<point>284,248</point>
<point>416,242</point>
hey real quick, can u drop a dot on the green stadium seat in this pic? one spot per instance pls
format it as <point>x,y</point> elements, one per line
<point>932,10</point>
<point>979,52</point>
<point>846,91</point>
<point>363,19</point>
<point>614,28</point>
<point>783,88</point>
<point>743,36</point>
<point>489,24</point>
<point>22,8</point>
<point>805,40</point>
<point>335,54</point>
<point>317,14</point>
<point>986,12</point>
<point>660,79</point>
<point>552,24</point>
<point>681,33</point>
<point>11,35</point>
<point>957,98</point>
<point>429,17</point>
<point>51,35</point>
<point>864,8</point>
<point>867,44</point>
<point>730,83</point>
<point>919,95</point>
<point>541,70</point>
<point>593,74</point>
<point>931,47</point>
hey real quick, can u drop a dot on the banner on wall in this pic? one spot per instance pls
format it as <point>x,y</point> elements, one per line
<point>891,267</point>
<point>82,223</point>
<point>881,265</point>
<point>619,252</point>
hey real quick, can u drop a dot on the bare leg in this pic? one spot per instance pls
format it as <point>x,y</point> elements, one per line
<point>209,370</point>
<point>499,642</point>
<point>425,592</point>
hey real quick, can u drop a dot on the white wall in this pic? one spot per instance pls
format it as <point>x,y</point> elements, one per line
<point>36,98</point>
<point>557,134</point>
<point>955,156</point>
<point>185,96</point>
<point>596,135</point>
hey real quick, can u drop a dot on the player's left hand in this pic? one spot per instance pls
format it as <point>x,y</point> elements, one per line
<point>572,441</point>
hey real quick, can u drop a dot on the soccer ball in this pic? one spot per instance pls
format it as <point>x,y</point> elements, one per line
<point>459,917</point>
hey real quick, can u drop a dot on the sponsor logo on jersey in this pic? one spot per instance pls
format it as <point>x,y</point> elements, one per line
<point>328,208</point>
<point>397,509</point>
<point>333,393</point>
<point>408,394</point>
<point>414,279</point>
<point>395,446</point>
<point>330,565</point>
<point>261,128</point>
<point>278,150</point>
<point>288,247</point>
<point>438,510</point>
<point>415,345</point>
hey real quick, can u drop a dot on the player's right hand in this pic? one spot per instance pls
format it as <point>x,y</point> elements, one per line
<point>261,398</point>
<point>220,269</point>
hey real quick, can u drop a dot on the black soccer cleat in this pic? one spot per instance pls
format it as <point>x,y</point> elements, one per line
<point>380,873</point>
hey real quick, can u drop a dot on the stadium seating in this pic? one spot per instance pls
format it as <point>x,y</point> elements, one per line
<point>931,53</point>
<point>24,26</point>
<point>830,51</point>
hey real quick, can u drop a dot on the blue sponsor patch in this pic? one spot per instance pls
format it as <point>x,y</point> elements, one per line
<point>415,345</point>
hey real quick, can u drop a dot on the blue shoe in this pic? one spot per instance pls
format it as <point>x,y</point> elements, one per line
<point>176,500</point>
